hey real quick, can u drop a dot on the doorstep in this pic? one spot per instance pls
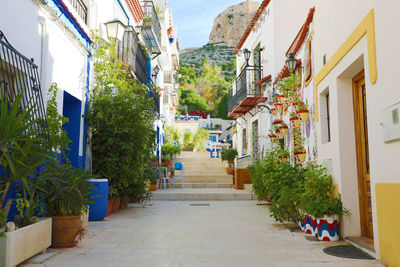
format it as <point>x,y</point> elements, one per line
<point>364,243</point>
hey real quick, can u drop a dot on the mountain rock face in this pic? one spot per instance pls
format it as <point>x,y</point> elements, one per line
<point>230,25</point>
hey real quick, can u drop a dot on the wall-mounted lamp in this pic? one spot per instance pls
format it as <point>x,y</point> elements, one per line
<point>115,29</point>
<point>156,70</point>
<point>247,54</point>
<point>291,62</point>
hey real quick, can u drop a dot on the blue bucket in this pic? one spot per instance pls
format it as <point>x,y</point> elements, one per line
<point>97,211</point>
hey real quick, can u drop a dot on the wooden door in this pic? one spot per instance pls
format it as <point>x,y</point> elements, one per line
<point>361,134</point>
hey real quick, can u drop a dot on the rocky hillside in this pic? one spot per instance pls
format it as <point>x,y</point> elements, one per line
<point>216,54</point>
<point>230,25</point>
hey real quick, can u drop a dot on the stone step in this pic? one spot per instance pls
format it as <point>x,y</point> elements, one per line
<point>204,185</point>
<point>248,187</point>
<point>202,194</point>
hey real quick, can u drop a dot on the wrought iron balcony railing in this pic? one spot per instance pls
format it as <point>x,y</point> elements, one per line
<point>81,8</point>
<point>132,55</point>
<point>151,28</point>
<point>19,75</point>
<point>153,93</point>
<point>244,88</point>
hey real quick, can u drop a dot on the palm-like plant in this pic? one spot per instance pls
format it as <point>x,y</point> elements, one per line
<point>20,149</point>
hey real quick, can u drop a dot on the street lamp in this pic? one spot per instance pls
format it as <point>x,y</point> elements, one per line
<point>156,70</point>
<point>115,29</point>
<point>247,54</point>
<point>291,62</point>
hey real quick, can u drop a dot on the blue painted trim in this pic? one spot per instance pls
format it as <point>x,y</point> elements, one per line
<point>86,107</point>
<point>123,9</point>
<point>69,22</point>
<point>148,70</point>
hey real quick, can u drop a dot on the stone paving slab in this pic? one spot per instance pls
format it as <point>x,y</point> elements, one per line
<point>209,194</point>
<point>173,233</point>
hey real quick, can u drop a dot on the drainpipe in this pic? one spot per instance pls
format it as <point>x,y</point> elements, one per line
<point>123,9</point>
<point>88,166</point>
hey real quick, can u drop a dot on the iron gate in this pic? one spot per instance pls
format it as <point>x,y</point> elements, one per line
<point>19,75</point>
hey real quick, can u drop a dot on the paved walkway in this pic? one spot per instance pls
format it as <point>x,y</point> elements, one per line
<point>169,233</point>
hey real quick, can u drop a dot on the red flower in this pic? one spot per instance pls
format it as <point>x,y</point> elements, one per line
<point>267,194</point>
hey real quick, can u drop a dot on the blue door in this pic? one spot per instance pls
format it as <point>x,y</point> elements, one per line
<point>72,110</point>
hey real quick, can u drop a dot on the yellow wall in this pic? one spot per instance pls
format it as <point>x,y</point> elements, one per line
<point>387,204</point>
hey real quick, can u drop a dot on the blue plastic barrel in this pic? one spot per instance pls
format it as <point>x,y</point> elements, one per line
<point>97,211</point>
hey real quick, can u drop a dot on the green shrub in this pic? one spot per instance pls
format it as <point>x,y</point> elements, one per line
<point>229,154</point>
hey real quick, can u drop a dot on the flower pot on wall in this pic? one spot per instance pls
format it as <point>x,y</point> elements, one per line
<point>279,107</point>
<point>23,243</point>
<point>272,137</point>
<point>301,155</point>
<point>295,122</point>
<point>65,229</point>
<point>284,129</point>
<point>303,115</point>
<point>229,170</point>
<point>274,112</point>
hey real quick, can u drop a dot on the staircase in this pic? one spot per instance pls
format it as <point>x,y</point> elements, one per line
<point>200,171</point>
<point>204,179</point>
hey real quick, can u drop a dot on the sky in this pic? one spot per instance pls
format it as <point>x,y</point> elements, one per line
<point>194,19</point>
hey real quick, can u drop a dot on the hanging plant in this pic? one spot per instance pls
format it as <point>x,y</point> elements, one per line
<point>282,98</point>
<point>298,145</point>
<point>277,121</point>
<point>284,128</point>
<point>291,95</point>
<point>294,119</point>
<point>302,111</point>
<point>272,136</point>
<point>274,111</point>
<point>279,107</point>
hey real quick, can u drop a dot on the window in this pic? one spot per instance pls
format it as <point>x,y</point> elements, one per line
<point>244,142</point>
<point>80,8</point>
<point>325,117</point>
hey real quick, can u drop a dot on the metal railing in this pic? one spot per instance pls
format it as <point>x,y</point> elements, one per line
<point>153,93</point>
<point>244,86</point>
<point>80,8</point>
<point>151,27</point>
<point>132,55</point>
<point>19,75</point>
<point>244,161</point>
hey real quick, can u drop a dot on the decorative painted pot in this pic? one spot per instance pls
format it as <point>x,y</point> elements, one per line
<point>308,224</point>
<point>301,155</point>
<point>273,137</point>
<point>281,98</point>
<point>328,228</point>
<point>274,112</point>
<point>284,129</point>
<point>283,159</point>
<point>303,115</point>
<point>295,122</point>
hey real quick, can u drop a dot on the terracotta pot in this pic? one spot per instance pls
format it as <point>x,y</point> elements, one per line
<point>229,170</point>
<point>116,204</point>
<point>109,207</point>
<point>65,229</point>
<point>154,187</point>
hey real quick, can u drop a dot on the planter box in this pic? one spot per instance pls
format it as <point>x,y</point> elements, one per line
<point>25,242</point>
<point>241,177</point>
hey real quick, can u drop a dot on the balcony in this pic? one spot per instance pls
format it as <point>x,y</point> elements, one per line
<point>151,28</point>
<point>80,8</point>
<point>132,55</point>
<point>245,94</point>
<point>153,93</point>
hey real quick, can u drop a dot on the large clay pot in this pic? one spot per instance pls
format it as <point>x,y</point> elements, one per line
<point>65,230</point>
<point>116,204</point>
<point>229,170</point>
<point>109,207</point>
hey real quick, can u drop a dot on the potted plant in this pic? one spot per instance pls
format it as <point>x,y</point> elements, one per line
<point>283,154</point>
<point>302,111</point>
<point>147,20</point>
<point>274,112</point>
<point>66,193</point>
<point>320,207</point>
<point>279,107</point>
<point>284,128</point>
<point>294,119</point>
<point>298,145</point>
<point>272,136</point>
<point>21,153</point>
<point>229,155</point>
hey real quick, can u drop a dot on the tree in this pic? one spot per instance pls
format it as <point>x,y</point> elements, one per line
<point>222,108</point>
<point>121,122</point>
